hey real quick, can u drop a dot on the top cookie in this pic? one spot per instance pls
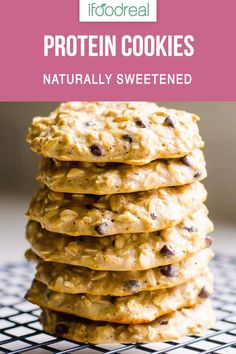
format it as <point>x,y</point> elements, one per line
<point>130,132</point>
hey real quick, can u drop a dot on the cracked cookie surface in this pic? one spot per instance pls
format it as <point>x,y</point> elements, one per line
<point>112,178</point>
<point>124,251</point>
<point>76,214</point>
<point>128,132</point>
<point>187,321</point>
<point>141,307</point>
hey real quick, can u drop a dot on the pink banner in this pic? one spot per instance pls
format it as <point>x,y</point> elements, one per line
<point>207,73</point>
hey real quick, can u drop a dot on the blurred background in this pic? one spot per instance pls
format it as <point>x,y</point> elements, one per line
<point>18,168</point>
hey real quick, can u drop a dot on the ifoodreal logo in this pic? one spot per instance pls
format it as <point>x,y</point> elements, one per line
<point>118,11</point>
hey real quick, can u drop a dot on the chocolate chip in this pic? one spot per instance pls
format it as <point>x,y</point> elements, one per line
<point>169,271</point>
<point>96,150</point>
<point>163,322</point>
<point>48,294</point>
<point>204,293</point>
<point>61,329</point>
<point>153,216</point>
<point>197,174</point>
<point>89,123</point>
<point>167,251</point>
<point>209,241</point>
<point>185,160</point>
<point>132,285</point>
<point>190,228</point>
<point>127,137</point>
<point>170,122</point>
<point>101,228</point>
<point>140,123</point>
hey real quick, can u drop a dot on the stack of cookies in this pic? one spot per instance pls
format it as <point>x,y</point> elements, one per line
<point>119,229</point>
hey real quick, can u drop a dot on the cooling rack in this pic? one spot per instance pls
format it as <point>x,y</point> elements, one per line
<point>20,331</point>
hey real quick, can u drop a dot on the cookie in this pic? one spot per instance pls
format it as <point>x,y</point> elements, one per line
<point>77,214</point>
<point>185,322</point>
<point>128,132</point>
<point>74,280</point>
<point>141,307</point>
<point>31,256</point>
<point>124,251</point>
<point>112,178</point>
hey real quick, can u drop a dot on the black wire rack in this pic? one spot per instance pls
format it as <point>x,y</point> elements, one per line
<point>20,331</point>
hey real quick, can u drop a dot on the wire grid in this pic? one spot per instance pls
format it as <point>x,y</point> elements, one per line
<point>20,331</point>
